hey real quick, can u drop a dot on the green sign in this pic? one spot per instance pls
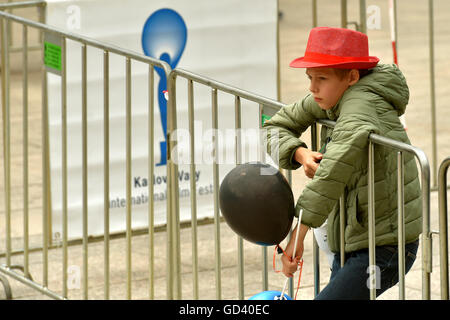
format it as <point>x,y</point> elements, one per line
<point>52,55</point>
<point>264,118</point>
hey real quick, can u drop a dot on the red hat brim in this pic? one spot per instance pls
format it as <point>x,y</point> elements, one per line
<point>304,62</point>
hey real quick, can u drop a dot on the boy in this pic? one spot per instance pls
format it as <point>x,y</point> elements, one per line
<point>347,86</point>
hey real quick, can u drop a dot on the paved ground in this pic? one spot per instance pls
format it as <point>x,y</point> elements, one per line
<point>295,23</point>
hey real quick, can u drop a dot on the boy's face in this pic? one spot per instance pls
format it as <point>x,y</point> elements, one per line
<point>328,87</point>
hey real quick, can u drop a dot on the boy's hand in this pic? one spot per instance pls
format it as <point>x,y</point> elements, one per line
<point>290,267</point>
<point>308,159</point>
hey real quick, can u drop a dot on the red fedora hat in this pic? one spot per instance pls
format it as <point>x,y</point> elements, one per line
<point>336,48</point>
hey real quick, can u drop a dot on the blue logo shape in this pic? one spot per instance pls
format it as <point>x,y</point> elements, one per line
<point>164,38</point>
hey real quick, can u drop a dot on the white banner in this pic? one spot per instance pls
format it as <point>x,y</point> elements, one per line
<point>231,41</point>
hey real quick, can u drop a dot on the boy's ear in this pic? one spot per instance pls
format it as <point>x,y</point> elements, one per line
<point>353,77</point>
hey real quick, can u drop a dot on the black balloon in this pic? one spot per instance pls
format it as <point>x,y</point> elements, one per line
<point>257,203</point>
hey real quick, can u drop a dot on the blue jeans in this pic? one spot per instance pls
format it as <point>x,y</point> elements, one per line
<point>351,282</point>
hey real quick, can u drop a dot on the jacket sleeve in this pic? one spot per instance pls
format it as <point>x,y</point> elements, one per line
<point>344,155</point>
<point>285,128</point>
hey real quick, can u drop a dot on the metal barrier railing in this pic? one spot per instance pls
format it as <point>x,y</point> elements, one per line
<point>443,226</point>
<point>426,232</point>
<point>267,106</point>
<point>129,56</point>
<point>173,277</point>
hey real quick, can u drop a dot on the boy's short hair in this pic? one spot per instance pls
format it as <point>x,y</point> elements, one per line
<point>341,73</point>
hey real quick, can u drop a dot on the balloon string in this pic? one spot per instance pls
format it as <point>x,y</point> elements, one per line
<point>300,267</point>
<point>299,264</point>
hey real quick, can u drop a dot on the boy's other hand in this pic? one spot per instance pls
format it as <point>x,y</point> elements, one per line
<point>308,159</point>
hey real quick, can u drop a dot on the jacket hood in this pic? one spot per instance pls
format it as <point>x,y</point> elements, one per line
<point>387,81</point>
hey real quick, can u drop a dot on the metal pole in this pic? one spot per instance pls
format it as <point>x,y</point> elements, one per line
<point>314,13</point>
<point>278,53</point>
<point>344,21</point>
<point>371,204</point>
<point>443,227</point>
<point>193,188</point>
<point>45,175</point>
<point>84,166</point>
<point>173,211</point>
<point>316,253</point>
<point>216,196</point>
<point>432,91</point>
<point>6,135</point>
<point>151,171</point>
<point>106,171</point>
<point>362,16</point>
<point>401,225</point>
<point>237,119</point>
<point>342,229</point>
<point>25,149</point>
<point>128,173</point>
<point>261,158</point>
<point>64,160</point>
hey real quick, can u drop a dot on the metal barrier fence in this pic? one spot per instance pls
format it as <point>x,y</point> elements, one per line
<point>6,20</point>
<point>173,275</point>
<point>266,106</point>
<point>443,227</point>
<point>426,232</point>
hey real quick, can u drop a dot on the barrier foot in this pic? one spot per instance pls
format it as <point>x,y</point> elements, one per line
<point>6,287</point>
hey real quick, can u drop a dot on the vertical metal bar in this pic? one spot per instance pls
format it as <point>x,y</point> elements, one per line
<point>344,21</point>
<point>25,150</point>
<point>64,161</point>
<point>47,192</point>
<point>291,280</point>
<point>151,164</point>
<point>171,191</point>
<point>401,224</point>
<point>342,229</point>
<point>176,222</point>
<point>314,13</point>
<point>443,227</point>
<point>46,201</point>
<point>278,53</point>
<point>262,156</point>
<point>128,175</point>
<point>427,254</point>
<point>371,204</point>
<point>193,188</point>
<point>216,196</point>
<point>238,125</point>
<point>394,6</point>
<point>432,90</point>
<point>316,257</point>
<point>6,135</point>
<point>173,216</point>
<point>362,16</point>
<point>84,166</point>
<point>106,266</point>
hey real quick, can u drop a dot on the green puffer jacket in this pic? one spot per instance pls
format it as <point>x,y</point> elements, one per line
<point>373,104</point>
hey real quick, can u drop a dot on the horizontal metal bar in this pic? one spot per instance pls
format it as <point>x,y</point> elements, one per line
<point>30,48</point>
<point>88,41</point>
<point>326,122</point>
<point>25,4</point>
<point>276,105</point>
